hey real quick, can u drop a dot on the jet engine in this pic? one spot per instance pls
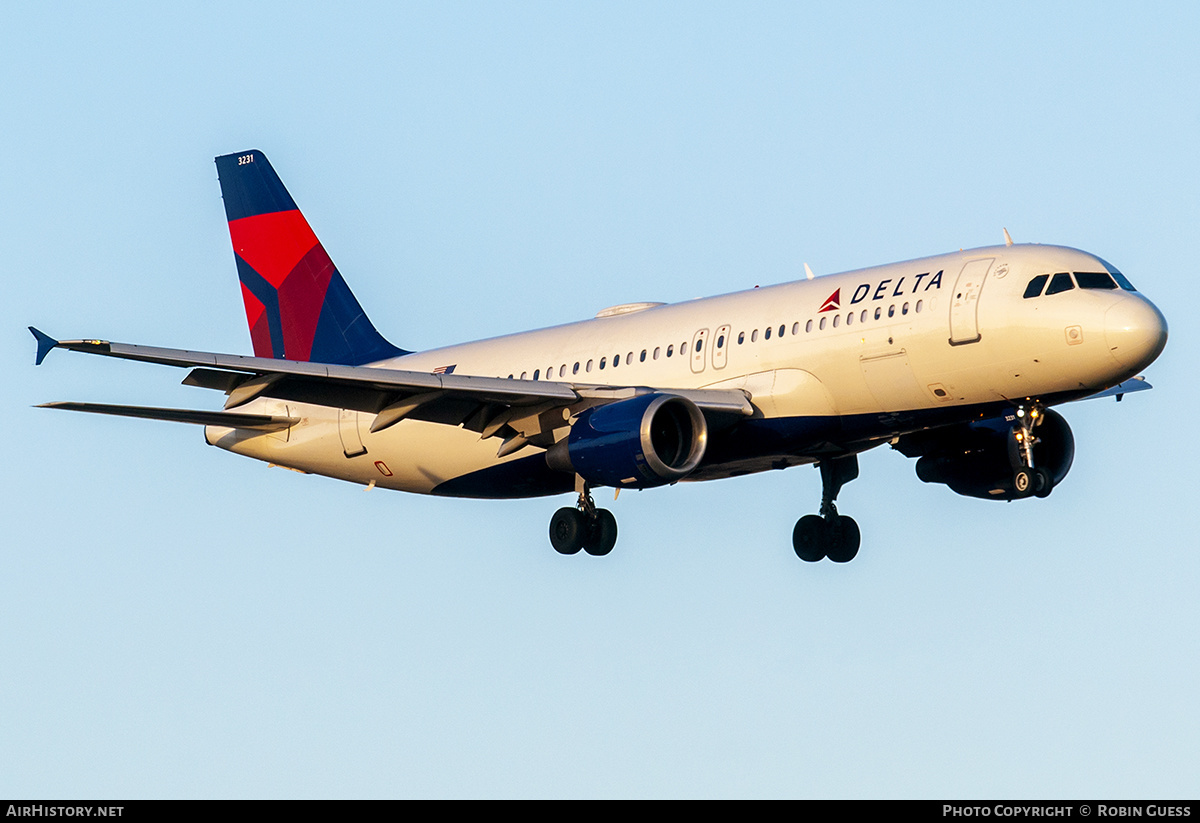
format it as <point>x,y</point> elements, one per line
<point>642,442</point>
<point>981,458</point>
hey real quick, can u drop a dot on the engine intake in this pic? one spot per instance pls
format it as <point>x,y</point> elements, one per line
<point>646,441</point>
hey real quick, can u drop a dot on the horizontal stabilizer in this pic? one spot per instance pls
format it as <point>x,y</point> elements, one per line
<point>233,420</point>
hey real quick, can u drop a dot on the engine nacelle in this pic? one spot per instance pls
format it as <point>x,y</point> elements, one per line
<point>980,458</point>
<point>646,441</point>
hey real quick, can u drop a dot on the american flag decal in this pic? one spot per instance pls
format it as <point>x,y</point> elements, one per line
<point>444,369</point>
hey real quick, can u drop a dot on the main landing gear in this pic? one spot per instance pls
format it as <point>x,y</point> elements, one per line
<point>829,534</point>
<point>1028,479</point>
<point>583,527</point>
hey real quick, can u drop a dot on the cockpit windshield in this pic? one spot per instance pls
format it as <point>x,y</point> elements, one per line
<point>1121,279</point>
<point>1094,280</point>
<point>1060,282</point>
<point>1065,281</point>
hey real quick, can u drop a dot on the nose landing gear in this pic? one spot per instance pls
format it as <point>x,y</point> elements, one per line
<point>829,534</point>
<point>1028,479</point>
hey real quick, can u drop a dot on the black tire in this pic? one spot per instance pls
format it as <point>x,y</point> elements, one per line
<point>567,530</point>
<point>808,538</point>
<point>1043,483</point>
<point>844,539</point>
<point>602,534</point>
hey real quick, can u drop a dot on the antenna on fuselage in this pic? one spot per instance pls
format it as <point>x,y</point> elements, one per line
<point>1007,238</point>
<point>808,272</point>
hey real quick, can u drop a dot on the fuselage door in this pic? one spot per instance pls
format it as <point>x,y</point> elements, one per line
<point>964,302</point>
<point>698,350</point>
<point>720,347</point>
<point>352,445</point>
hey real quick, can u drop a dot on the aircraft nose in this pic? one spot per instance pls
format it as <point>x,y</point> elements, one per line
<point>1135,331</point>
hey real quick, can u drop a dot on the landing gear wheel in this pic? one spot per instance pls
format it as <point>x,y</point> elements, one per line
<point>568,527</point>
<point>808,538</point>
<point>843,539</point>
<point>601,534</point>
<point>1043,483</point>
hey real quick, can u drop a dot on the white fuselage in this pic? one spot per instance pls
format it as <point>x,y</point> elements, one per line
<point>894,348</point>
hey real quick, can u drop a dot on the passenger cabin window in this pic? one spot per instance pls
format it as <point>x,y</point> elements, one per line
<point>1034,289</point>
<point>767,333</point>
<point>1094,280</point>
<point>643,358</point>
<point>1060,282</point>
<point>670,350</point>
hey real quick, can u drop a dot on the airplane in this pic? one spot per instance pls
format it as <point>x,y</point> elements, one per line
<point>955,360</point>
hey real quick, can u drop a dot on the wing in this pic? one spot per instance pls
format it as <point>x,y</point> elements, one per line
<point>519,411</point>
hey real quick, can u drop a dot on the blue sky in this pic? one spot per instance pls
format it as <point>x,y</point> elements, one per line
<point>178,621</point>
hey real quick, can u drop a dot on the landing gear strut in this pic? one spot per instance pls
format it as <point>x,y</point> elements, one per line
<point>1028,479</point>
<point>829,534</point>
<point>583,527</point>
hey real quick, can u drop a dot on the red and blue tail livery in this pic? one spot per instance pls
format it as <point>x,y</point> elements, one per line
<point>297,304</point>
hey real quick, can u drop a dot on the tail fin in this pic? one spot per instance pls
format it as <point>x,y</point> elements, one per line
<point>297,304</point>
